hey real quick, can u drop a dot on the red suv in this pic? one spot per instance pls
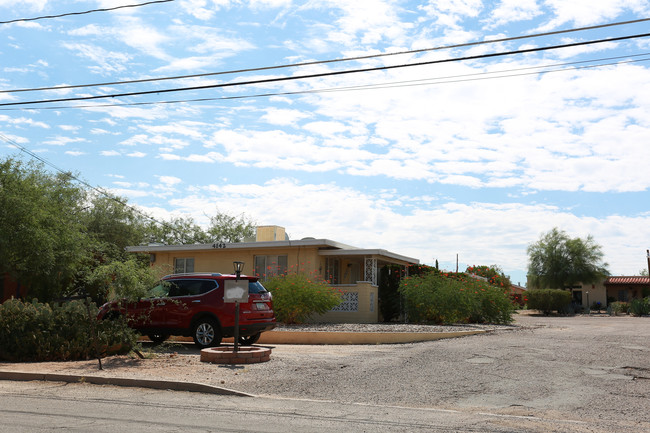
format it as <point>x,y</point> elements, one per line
<point>193,305</point>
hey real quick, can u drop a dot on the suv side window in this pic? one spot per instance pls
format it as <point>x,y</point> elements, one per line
<point>191,287</point>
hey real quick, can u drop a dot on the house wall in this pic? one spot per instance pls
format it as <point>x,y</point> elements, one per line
<point>592,293</point>
<point>221,260</point>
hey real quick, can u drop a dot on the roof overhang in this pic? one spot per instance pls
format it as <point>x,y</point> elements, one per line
<point>376,253</point>
<point>318,243</point>
<point>326,247</point>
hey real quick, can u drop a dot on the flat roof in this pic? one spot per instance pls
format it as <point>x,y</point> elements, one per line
<point>331,248</point>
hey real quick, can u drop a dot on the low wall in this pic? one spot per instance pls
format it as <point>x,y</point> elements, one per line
<point>360,305</point>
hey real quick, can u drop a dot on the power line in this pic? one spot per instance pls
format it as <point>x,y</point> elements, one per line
<point>45,17</point>
<point>320,62</point>
<point>81,181</point>
<point>387,85</point>
<point>324,74</point>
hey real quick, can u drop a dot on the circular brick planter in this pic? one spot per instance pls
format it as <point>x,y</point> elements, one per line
<point>227,355</point>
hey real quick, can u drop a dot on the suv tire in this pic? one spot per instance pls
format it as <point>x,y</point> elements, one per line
<point>206,333</point>
<point>249,340</point>
<point>158,338</point>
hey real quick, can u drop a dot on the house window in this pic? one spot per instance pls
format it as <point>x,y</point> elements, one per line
<point>622,295</point>
<point>183,265</point>
<point>269,266</point>
<point>333,267</point>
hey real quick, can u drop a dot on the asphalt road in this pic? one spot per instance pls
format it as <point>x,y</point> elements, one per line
<point>45,407</point>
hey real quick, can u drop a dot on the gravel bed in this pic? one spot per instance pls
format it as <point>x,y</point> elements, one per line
<point>389,327</point>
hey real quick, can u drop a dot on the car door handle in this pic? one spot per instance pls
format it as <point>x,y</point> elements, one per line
<point>196,302</point>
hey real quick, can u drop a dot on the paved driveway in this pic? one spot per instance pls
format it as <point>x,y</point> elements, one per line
<point>591,368</point>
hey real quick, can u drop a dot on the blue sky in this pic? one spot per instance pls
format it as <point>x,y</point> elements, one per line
<point>476,158</point>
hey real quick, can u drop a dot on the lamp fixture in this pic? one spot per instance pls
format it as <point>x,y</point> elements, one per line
<point>239,267</point>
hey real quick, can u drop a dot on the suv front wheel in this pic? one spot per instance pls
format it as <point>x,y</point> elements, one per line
<point>206,333</point>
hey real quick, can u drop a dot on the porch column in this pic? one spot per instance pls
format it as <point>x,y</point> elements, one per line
<point>370,271</point>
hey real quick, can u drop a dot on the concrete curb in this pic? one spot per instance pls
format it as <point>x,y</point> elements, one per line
<point>134,383</point>
<point>322,337</point>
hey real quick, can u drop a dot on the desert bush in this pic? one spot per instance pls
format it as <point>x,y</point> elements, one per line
<point>297,296</point>
<point>619,307</point>
<point>58,332</point>
<point>640,307</point>
<point>454,298</point>
<point>548,300</point>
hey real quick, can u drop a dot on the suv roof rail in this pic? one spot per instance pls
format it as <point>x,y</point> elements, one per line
<point>195,274</point>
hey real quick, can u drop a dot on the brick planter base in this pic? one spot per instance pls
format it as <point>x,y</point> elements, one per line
<point>227,355</point>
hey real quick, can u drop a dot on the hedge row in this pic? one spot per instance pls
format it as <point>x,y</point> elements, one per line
<point>454,298</point>
<point>59,332</point>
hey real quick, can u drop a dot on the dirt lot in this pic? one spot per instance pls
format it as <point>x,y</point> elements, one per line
<point>577,368</point>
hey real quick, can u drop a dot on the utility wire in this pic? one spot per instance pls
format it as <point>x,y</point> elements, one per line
<point>321,62</point>
<point>386,85</point>
<point>81,181</point>
<point>323,74</point>
<point>45,17</point>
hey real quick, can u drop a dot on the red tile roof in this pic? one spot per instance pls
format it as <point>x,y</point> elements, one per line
<point>628,280</point>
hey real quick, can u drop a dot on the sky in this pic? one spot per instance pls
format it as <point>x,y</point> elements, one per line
<point>437,150</point>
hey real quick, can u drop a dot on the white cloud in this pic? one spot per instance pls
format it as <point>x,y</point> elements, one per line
<point>63,141</point>
<point>29,5</point>
<point>510,11</point>
<point>586,12</point>
<point>70,127</point>
<point>277,116</point>
<point>169,180</point>
<point>481,233</point>
<point>137,154</point>
<point>110,153</point>
<point>74,153</point>
<point>106,62</point>
<point>23,121</point>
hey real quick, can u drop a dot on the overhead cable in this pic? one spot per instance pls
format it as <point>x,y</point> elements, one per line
<point>387,85</point>
<point>321,62</point>
<point>45,17</point>
<point>323,74</point>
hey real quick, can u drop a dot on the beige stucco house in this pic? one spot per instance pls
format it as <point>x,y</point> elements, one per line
<point>618,288</point>
<point>353,270</point>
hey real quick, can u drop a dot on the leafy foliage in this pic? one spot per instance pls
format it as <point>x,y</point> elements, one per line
<point>556,261</point>
<point>640,307</point>
<point>297,296</point>
<point>177,231</point>
<point>59,332</point>
<point>42,236</point>
<point>493,274</point>
<point>454,298</point>
<point>230,229</point>
<point>548,300</point>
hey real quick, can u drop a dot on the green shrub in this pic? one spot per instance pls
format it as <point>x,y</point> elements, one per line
<point>640,307</point>
<point>597,306</point>
<point>619,307</point>
<point>59,332</point>
<point>548,300</point>
<point>454,298</point>
<point>297,296</point>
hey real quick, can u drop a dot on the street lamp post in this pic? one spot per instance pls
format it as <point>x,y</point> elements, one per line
<point>239,267</point>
